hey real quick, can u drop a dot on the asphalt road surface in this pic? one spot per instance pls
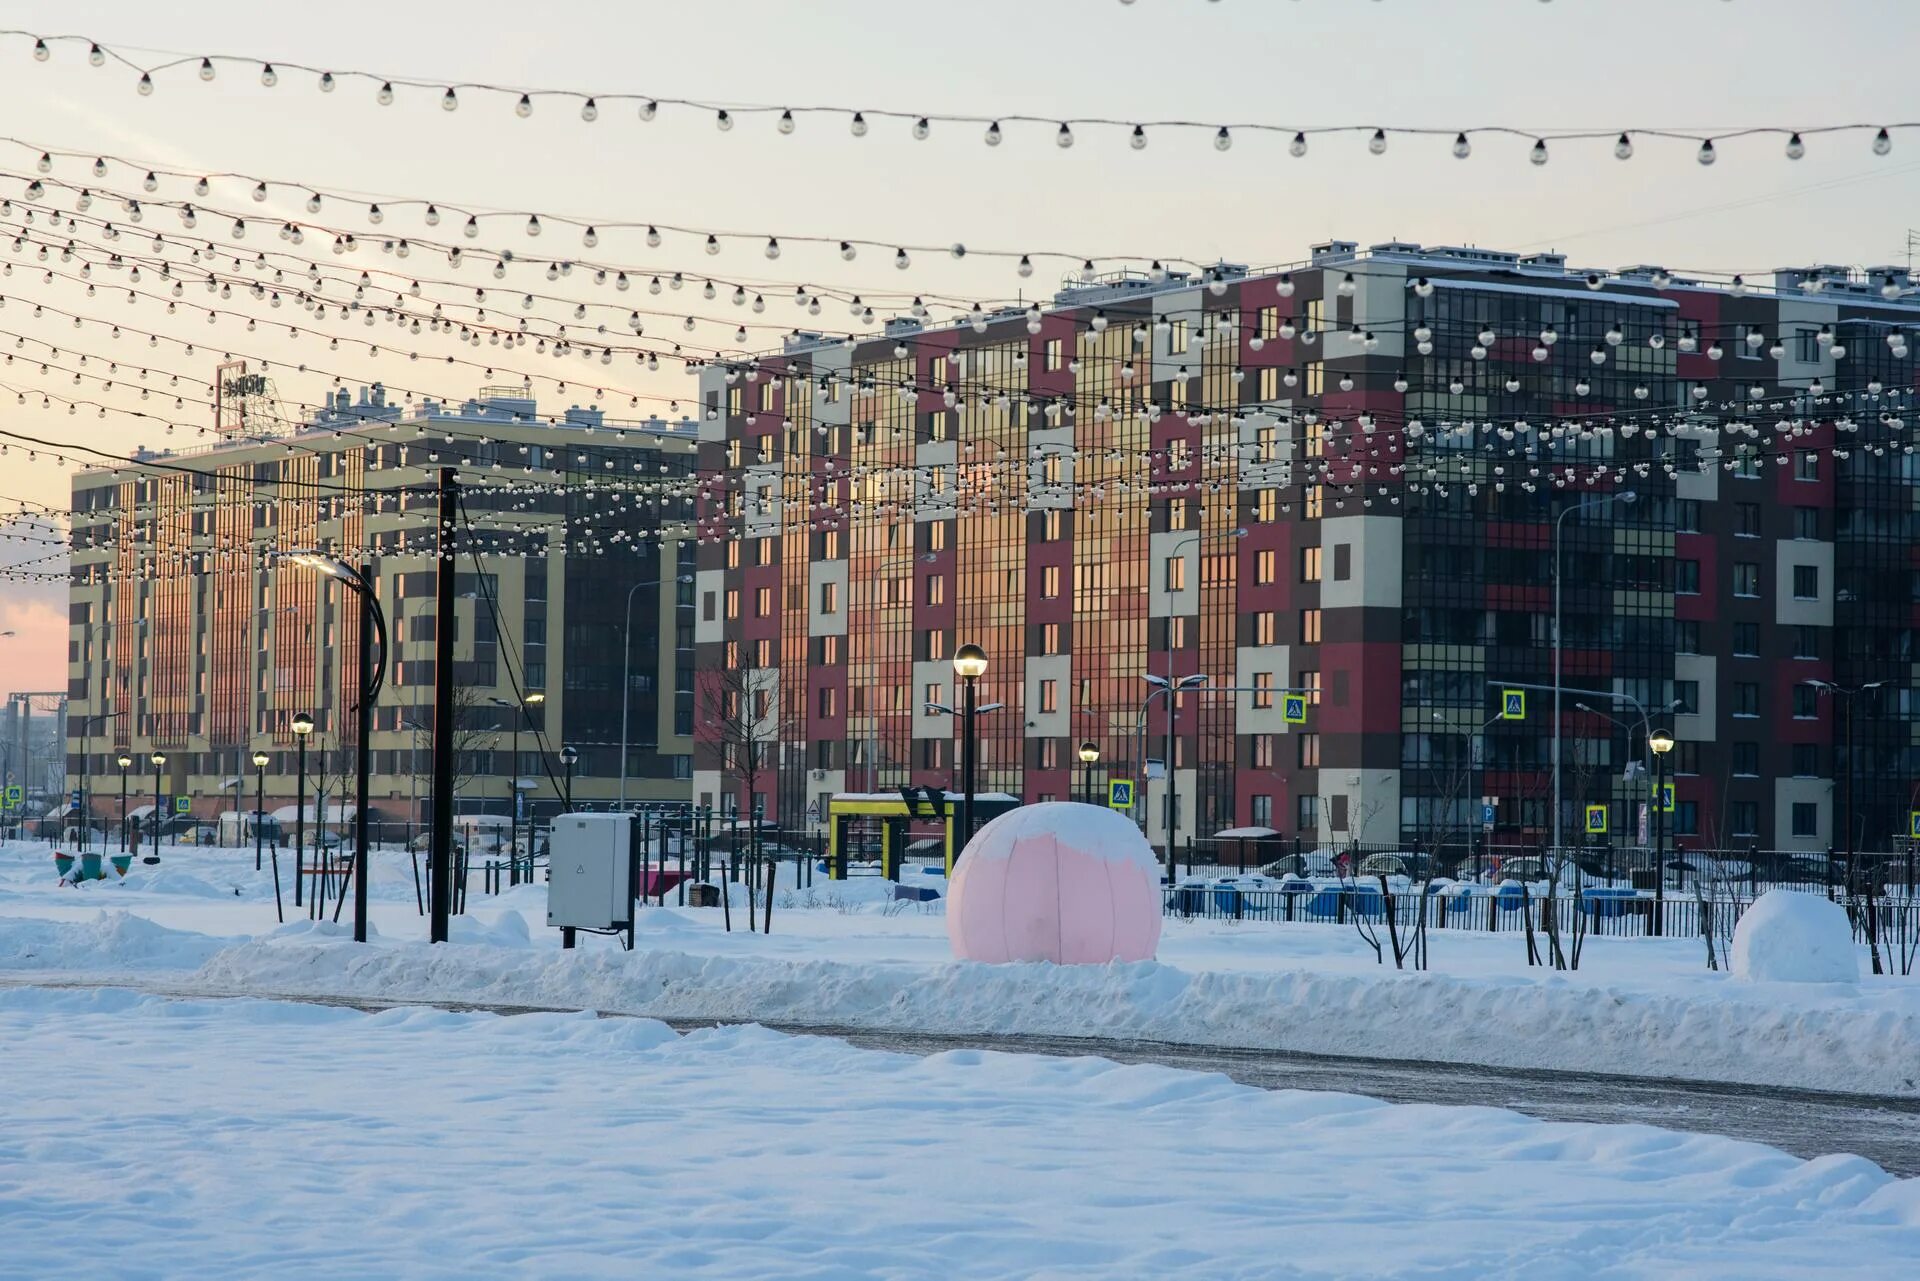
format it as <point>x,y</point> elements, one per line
<point>1804,1122</point>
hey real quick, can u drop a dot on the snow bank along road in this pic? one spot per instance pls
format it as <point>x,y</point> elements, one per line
<point>151,1137</point>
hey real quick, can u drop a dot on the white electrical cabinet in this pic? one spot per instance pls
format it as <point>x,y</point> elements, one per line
<point>589,884</point>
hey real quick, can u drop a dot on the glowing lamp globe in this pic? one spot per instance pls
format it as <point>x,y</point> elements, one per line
<point>1062,882</point>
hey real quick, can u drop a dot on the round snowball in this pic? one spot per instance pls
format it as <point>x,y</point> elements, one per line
<point>1062,882</point>
<point>1789,936</point>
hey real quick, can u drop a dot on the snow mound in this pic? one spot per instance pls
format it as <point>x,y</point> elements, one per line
<point>1789,936</point>
<point>111,939</point>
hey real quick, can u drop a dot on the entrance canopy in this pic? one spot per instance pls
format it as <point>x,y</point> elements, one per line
<point>895,810</point>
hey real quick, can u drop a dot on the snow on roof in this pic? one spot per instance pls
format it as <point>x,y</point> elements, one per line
<point>1096,830</point>
<point>1248,833</point>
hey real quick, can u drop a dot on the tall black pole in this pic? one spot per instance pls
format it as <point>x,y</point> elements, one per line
<point>443,726</point>
<point>966,767</point>
<point>1660,844</point>
<point>513,801</point>
<point>259,803</point>
<point>154,853</point>
<point>1848,793</point>
<point>123,809</point>
<point>369,682</point>
<point>299,818</point>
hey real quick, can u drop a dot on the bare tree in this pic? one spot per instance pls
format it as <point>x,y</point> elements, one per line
<point>743,721</point>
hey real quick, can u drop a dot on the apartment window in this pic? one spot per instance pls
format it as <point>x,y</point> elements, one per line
<point>1266,630</point>
<point>1306,811</point>
<point>935,693</point>
<point>1050,581</point>
<point>1176,573</point>
<point>1806,465</point>
<point>937,534</point>
<point>1267,322</point>
<point>1806,582</point>
<point>1269,384</point>
<point>1176,514</point>
<point>829,598</point>
<point>1309,627</point>
<point>1686,515</point>
<point>1686,636</point>
<point>1262,812</point>
<point>1316,378</point>
<point>1265,438</point>
<point>1746,760</point>
<point>733,654</point>
<point>1746,698</point>
<point>1263,567</point>
<point>1176,633</point>
<point>936,589</point>
<point>763,551</point>
<point>1806,818</point>
<point>1263,751</point>
<point>828,705</point>
<point>1806,641</point>
<point>1686,818</point>
<point>1266,505</point>
<point>1806,703</point>
<point>829,650</point>
<point>1049,753</point>
<point>1177,336</point>
<point>1263,689</point>
<point>1806,522</point>
<point>707,605</point>
<point>1310,682</point>
<point>1309,750</point>
<point>1054,357</point>
<point>733,603</point>
<point>1686,577</point>
<point>1050,638</point>
<point>1309,564</point>
<point>1746,520</point>
<point>1746,579</point>
<point>1050,696</point>
<point>1314,502</point>
<point>763,653</point>
<point>1744,818</point>
<point>763,602</point>
<point>1688,694</point>
<point>936,644</point>
<point>1686,758</point>
<point>1806,760</point>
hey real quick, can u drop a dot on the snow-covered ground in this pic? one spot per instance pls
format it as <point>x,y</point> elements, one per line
<point>156,1138</point>
<point>838,956</point>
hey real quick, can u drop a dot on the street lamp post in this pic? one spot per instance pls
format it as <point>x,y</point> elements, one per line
<point>1089,753</point>
<point>970,664</point>
<point>372,675</point>
<point>259,803</point>
<point>626,674</point>
<point>302,728</point>
<point>568,758</point>
<point>153,855</point>
<point>1626,496</point>
<point>1661,741</point>
<point>126,763</point>
<point>1167,686</point>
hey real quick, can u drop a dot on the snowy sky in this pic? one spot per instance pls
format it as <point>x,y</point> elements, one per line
<point>1705,65</point>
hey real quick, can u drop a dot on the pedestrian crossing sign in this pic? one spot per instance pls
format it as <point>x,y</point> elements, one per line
<point>13,796</point>
<point>1664,796</point>
<point>1913,824</point>
<point>1120,793</point>
<point>181,804</point>
<point>1596,820</point>
<point>1293,709</point>
<point>1513,704</point>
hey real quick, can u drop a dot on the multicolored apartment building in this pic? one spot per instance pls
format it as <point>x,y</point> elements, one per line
<point>1348,478</point>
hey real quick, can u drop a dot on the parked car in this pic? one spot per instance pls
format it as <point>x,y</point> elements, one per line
<point>1309,863</point>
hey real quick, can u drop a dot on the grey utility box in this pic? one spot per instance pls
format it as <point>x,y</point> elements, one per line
<point>590,866</point>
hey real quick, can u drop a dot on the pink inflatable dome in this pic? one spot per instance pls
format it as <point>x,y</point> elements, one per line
<point>1062,882</point>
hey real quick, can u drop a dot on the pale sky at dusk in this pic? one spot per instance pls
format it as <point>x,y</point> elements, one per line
<point>1702,65</point>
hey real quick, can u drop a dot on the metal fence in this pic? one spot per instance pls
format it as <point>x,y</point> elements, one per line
<point>1608,912</point>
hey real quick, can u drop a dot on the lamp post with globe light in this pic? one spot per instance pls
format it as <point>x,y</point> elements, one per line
<point>1661,741</point>
<point>302,726</point>
<point>153,855</point>
<point>970,664</point>
<point>1089,753</point>
<point>126,763</point>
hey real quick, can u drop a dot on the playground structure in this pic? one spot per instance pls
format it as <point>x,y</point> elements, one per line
<point>895,813</point>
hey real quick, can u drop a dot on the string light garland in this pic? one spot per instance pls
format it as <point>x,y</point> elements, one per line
<point>786,118</point>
